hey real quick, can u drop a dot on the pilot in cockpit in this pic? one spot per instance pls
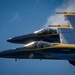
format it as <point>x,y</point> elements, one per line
<point>38,44</point>
<point>46,31</point>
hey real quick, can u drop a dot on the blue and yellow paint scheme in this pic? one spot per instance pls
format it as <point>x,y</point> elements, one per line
<point>42,50</point>
<point>46,43</point>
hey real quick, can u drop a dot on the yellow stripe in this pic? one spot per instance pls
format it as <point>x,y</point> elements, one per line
<point>66,13</point>
<point>58,45</point>
<point>64,45</point>
<point>61,26</point>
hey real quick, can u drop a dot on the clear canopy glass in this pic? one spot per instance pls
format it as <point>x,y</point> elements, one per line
<point>39,44</point>
<point>46,31</point>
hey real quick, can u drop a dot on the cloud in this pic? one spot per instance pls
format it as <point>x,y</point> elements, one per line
<point>15,17</point>
<point>68,5</point>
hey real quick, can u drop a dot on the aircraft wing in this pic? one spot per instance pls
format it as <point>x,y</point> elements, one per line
<point>70,20</point>
<point>67,32</point>
<point>67,35</point>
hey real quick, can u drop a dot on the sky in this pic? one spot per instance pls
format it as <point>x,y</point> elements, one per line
<point>19,17</point>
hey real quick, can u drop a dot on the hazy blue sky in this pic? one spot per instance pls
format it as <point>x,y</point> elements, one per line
<point>18,17</point>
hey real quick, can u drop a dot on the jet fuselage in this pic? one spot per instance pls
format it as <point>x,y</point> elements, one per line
<point>48,35</point>
<point>57,51</point>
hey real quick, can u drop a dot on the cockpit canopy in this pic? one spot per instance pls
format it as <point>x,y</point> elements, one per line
<point>39,44</point>
<point>46,31</point>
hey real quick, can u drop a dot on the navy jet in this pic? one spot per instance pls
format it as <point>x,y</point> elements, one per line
<point>46,34</point>
<point>65,50</point>
<point>42,50</point>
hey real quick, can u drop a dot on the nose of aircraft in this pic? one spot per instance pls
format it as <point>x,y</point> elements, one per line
<point>18,39</point>
<point>21,39</point>
<point>10,40</point>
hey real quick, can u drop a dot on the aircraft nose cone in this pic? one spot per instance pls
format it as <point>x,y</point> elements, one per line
<point>21,39</point>
<point>16,39</point>
<point>10,40</point>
